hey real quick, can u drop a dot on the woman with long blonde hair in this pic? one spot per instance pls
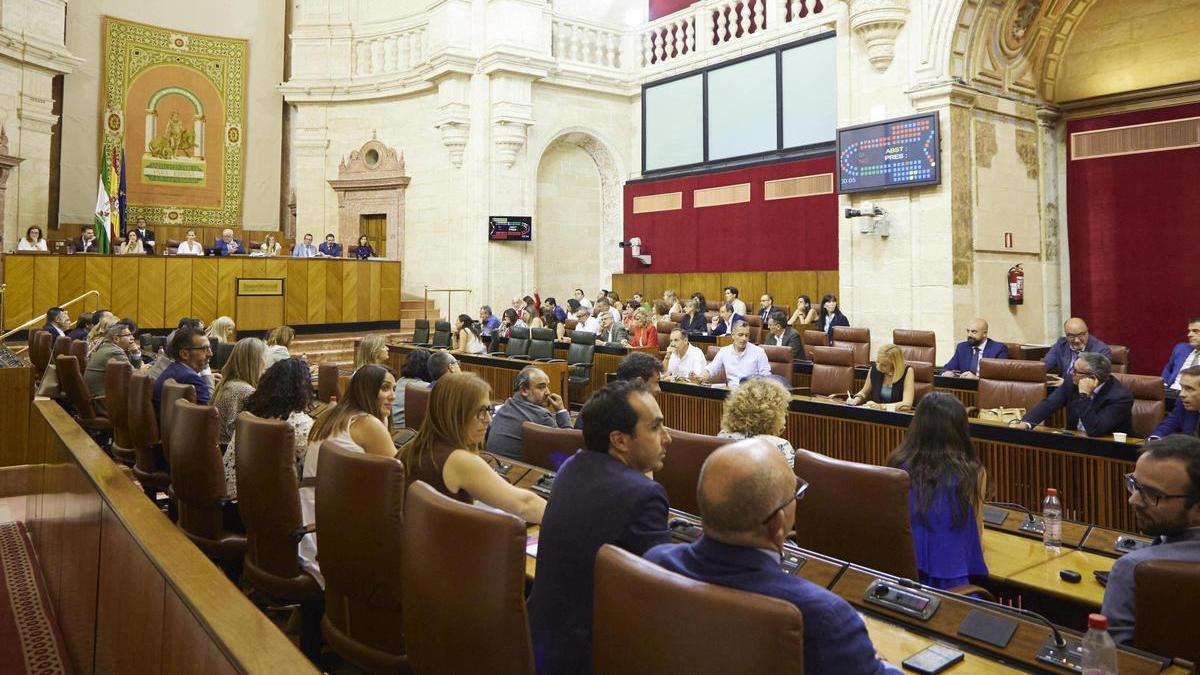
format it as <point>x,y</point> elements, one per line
<point>446,450</point>
<point>372,350</point>
<point>96,336</point>
<point>222,329</point>
<point>239,379</point>
<point>278,340</point>
<point>889,382</point>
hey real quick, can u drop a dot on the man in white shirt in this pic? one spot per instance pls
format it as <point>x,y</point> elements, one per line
<point>584,302</point>
<point>739,360</point>
<point>587,322</point>
<point>731,296</point>
<point>683,358</point>
<point>603,306</point>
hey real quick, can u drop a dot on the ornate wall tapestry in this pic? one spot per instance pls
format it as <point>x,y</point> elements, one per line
<point>177,103</point>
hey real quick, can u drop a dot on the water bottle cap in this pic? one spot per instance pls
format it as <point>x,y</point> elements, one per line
<point>1051,492</point>
<point>1097,622</point>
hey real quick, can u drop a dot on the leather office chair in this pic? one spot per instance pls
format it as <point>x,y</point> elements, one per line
<point>924,379</point>
<point>76,391</point>
<point>713,305</point>
<point>780,361</point>
<point>269,504</point>
<point>813,338</point>
<point>327,381</point>
<point>461,616</point>
<point>857,339</point>
<point>677,317</point>
<point>541,345</point>
<point>756,328</point>
<point>664,341</point>
<point>1008,383</point>
<point>881,533</point>
<point>916,345</point>
<point>220,355</point>
<point>441,335</point>
<point>1014,351</point>
<point>172,391</point>
<point>78,349</point>
<point>1165,593</point>
<point>832,372</point>
<point>40,344</point>
<point>710,353</point>
<point>116,404</point>
<point>198,482</point>
<point>518,344</point>
<point>667,326</point>
<point>360,525</point>
<point>637,628</point>
<point>62,345</point>
<point>420,334</point>
<point>681,473</point>
<point>1120,358</point>
<point>579,363</point>
<point>416,402</point>
<point>1149,404</point>
<point>548,447</point>
<point>149,466</point>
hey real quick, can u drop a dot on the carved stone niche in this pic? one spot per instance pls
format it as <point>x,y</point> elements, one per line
<point>371,182</point>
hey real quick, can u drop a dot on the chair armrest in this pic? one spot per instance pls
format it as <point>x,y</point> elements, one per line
<point>972,589</point>
<point>549,360</point>
<point>499,355</point>
<point>803,391</point>
<point>972,411</point>
<point>298,533</point>
<point>582,365</point>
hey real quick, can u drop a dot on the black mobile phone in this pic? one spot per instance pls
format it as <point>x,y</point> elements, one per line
<point>933,659</point>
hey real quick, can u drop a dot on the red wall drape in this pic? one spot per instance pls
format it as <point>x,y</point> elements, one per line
<point>659,8</point>
<point>784,234</point>
<point>1133,230</point>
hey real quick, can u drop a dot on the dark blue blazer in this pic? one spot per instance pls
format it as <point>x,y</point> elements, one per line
<point>595,500</point>
<point>1109,410</point>
<point>835,639</point>
<point>183,375</point>
<point>1180,421</point>
<point>1179,356</point>
<point>332,250</point>
<point>223,248</point>
<point>964,360</point>
<point>1058,360</point>
<point>839,319</point>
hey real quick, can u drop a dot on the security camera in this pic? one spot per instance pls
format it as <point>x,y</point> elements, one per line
<point>856,213</point>
<point>644,259</point>
<point>633,242</point>
<point>877,221</point>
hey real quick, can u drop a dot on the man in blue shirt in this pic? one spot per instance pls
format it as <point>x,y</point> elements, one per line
<point>227,245</point>
<point>305,250</point>
<point>1060,360</point>
<point>487,321</point>
<point>189,351</point>
<point>747,498</point>
<point>331,248</point>
<point>1184,355</point>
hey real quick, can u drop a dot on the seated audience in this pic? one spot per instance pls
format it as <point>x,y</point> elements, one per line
<point>189,246</point>
<point>551,305</point>
<point>440,363</point>
<point>96,335</point>
<point>132,245</point>
<point>117,345</point>
<point>694,321</point>
<point>1184,355</point>
<point>614,302</point>
<point>32,241</point>
<point>804,315</point>
<point>145,235</point>
<point>783,335</point>
<point>532,320</point>
<point>465,339</point>
<point>414,371</point>
<point>58,322</point>
<point>358,423</point>
<point>86,242</point>
<point>739,360</point>
<point>731,298</point>
<point>582,299</point>
<point>83,326</point>
<point>364,250</point>
<point>672,301</point>
<point>1097,404</point>
<point>488,321</point>
<point>661,311</point>
<point>372,350</point>
<point>586,322</point>
<point>642,367</point>
<point>611,331</point>
<point>284,393</point>
<point>330,249</point>
<point>305,249</point>
<point>278,341</point>
<point>684,360</point>
<point>445,451</point>
<point>227,244</point>
<point>532,401</point>
<point>947,486</point>
<point>270,247</point>
<point>766,307</point>
<point>1064,353</point>
<point>550,321</point>
<point>889,381</point>
<point>601,495</point>
<point>1185,416</point>
<point>189,352</point>
<point>239,378</point>
<point>830,316</point>
<point>1164,491</point>
<point>223,329</point>
<point>758,409</point>
<point>747,497</point>
<point>508,321</point>
<point>965,362</point>
<point>135,355</point>
<point>161,360</point>
<point>726,317</point>
<point>645,333</point>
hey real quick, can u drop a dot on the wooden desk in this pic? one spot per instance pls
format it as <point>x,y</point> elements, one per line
<point>1044,577</point>
<point>499,373</point>
<point>1007,555</point>
<point>896,643</point>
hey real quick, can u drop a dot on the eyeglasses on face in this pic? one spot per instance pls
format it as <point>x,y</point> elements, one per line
<point>1149,495</point>
<point>801,488</point>
<point>484,413</point>
<point>206,347</point>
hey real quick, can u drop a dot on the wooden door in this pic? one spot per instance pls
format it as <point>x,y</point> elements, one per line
<point>374,225</point>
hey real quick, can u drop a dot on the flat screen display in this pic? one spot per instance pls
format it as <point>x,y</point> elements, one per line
<point>510,228</point>
<point>891,154</point>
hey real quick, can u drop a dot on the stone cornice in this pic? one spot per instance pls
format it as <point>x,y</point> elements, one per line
<point>38,53</point>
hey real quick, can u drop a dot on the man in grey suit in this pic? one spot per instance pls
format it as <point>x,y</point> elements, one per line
<point>611,333</point>
<point>531,401</point>
<point>783,335</point>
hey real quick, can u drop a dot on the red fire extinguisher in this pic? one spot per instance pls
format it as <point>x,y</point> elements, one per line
<point>1016,285</point>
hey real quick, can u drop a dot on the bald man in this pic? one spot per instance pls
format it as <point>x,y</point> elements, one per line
<point>965,362</point>
<point>1076,339</point>
<point>748,499</point>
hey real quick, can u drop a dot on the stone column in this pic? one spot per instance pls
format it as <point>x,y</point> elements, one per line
<point>1052,151</point>
<point>309,146</point>
<point>7,164</point>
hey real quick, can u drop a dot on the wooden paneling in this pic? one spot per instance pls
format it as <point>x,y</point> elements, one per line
<point>828,283</point>
<point>721,196</point>
<point>349,301</point>
<point>204,288</point>
<point>653,285</point>
<point>18,297</point>
<point>186,648</point>
<point>372,292</point>
<point>45,285</point>
<point>99,278</point>
<point>625,285</point>
<point>178,292</point>
<point>151,286</point>
<point>666,201</point>
<point>333,292</point>
<point>259,312</point>
<point>317,273</point>
<point>72,277</point>
<point>129,607</point>
<point>228,270</point>
<point>296,299</point>
<point>16,392</point>
<point>708,283</point>
<point>786,287</point>
<point>79,574</point>
<point>389,302</point>
<point>750,286</point>
<point>125,287</point>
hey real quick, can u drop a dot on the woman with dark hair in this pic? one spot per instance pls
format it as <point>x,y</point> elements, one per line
<point>364,250</point>
<point>33,240</point>
<point>284,392</point>
<point>830,316</point>
<point>693,322</point>
<point>415,371</point>
<point>508,321</point>
<point>804,315</point>
<point>945,501</point>
<point>466,338</point>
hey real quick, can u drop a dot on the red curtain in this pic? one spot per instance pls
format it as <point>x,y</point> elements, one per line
<point>1133,229</point>
<point>783,234</point>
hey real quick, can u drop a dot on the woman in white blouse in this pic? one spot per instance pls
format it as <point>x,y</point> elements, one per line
<point>132,245</point>
<point>32,241</point>
<point>190,246</point>
<point>270,247</point>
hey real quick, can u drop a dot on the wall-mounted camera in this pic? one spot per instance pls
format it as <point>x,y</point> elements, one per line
<point>874,220</point>
<point>635,248</point>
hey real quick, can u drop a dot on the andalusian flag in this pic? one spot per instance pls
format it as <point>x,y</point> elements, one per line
<point>110,198</point>
<point>103,218</point>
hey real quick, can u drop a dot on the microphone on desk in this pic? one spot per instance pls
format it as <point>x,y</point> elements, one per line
<point>1014,505</point>
<point>1059,640</point>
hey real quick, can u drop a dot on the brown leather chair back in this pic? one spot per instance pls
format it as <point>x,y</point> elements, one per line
<point>917,345</point>
<point>462,616</point>
<point>116,403</point>
<point>1120,358</point>
<point>1165,593</point>
<point>1014,351</point>
<point>548,447</point>
<point>813,338</point>
<point>360,527</point>
<point>667,326</point>
<point>62,345</point>
<point>40,342</point>
<point>681,471</point>
<point>570,324</point>
<point>198,480</point>
<point>416,402</point>
<point>1149,404</point>
<point>637,627</point>
<point>149,465</point>
<point>923,381</point>
<point>858,339</point>
<point>1008,383</point>
<point>832,371</point>
<point>78,349</point>
<point>882,535</point>
<point>269,504</point>
<point>327,381</point>
<point>710,353</point>
<point>780,361</point>
<point>172,391</point>
<point>70,379</point>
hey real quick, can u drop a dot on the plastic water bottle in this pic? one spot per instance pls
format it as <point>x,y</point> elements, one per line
<point>1052,518</point>
<point>1099,650</point>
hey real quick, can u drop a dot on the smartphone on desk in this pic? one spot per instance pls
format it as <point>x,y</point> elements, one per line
<point>933,659</point>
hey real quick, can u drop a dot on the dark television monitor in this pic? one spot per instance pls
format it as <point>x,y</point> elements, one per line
<point>897,153</point>
<point>510,228</point>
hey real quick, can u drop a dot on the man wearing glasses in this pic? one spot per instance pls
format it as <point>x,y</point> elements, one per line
<point>748,497</point>
<point>118,344</point>
<point>1076,339</point>
<point>1097,403</point>
<point>1164,491</point>
<point>189,351</point>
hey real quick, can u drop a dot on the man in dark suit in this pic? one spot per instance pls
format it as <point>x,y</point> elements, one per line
<point>602,495</point>
<point>747,497</point>
<point>1075,341</point>
<point>766,307</point>
<point>1185,416</point>
<point>330,248</point>
<point>965,362</point>
<point>1097,403</point>
<point>1184,355</point>
<point>611,333</point>
<point>146,235</point>
<point>783,335</point>
<point>86,242</point>
<point>58,322</point>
